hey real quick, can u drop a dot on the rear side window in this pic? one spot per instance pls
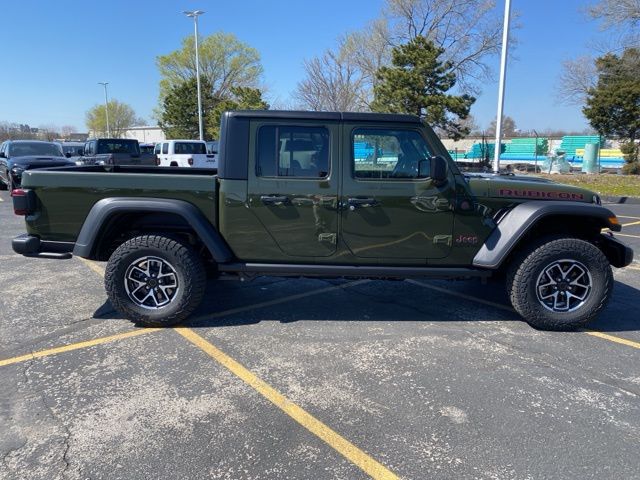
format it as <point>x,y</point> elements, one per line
<point>189,148</point>
<point>165,148</point>
<point>288,151</point>
<point>118,146</point>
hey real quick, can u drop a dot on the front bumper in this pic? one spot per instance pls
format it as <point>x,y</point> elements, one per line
<point>618,254</point>
<point>32,246</point>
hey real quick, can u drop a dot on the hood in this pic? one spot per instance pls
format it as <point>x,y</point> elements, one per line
<point>38,161</point>
<point>513,187</point>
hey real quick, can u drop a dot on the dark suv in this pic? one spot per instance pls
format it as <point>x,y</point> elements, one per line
<point>16,156</point>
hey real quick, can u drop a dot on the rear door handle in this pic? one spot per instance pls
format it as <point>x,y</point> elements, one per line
<point>274,199</point>
<point>361,203</point>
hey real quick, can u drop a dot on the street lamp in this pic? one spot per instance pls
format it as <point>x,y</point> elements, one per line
<point>194,14</point>
<point>106,105</point>
<point>503,74</point>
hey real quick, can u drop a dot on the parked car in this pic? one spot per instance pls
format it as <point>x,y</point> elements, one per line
<point>147,147</point>
<point>115,151</point>
<point>16,156</point>
<point>73,149</point>
<point>212,148</point>
<point>185,153</point>
<point>297,195</point>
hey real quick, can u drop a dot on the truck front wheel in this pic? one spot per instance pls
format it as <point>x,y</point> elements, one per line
<point>560,283</point>
<point>155,281</point>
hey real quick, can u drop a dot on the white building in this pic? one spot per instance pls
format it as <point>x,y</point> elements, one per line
<point>146,134</point>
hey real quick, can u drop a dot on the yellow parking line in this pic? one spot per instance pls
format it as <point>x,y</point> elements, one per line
<point>93,266</point>
<point>76,346</point>
<point>277,301</point>
<point>626,235</point>
<point>633,267</point>
<point>632,223</point>
<point>627,216</point>
<point>605,336</point>
<point>347,449</point>
<point>612,338</point>
<point>462,295</point>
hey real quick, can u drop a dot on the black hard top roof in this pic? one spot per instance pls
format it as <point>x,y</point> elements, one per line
<point>336,116</point>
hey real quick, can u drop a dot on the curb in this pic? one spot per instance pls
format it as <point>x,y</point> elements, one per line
<point>621,200</point>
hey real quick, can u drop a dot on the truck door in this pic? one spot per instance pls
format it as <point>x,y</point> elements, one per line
<point>293,185</point>
<point>391,210</point>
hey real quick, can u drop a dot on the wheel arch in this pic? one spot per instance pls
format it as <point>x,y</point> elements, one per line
<point>531,220</point>
<point>110,218</point>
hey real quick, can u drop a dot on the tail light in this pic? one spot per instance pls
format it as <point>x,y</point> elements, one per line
<point>190,161</point>
<point>23,201</point>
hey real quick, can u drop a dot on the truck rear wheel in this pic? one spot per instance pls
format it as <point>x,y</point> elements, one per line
<point>154,280</point>
<point>560,283</point>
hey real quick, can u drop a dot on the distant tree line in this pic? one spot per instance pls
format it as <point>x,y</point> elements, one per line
<point>12,131</point>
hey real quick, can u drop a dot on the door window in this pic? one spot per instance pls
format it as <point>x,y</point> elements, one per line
<point>389,154</point>
<point>284,151</point>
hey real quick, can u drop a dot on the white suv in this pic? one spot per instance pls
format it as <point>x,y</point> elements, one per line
<point>184,153</point>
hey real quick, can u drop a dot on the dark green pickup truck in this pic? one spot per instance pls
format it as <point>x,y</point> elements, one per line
<point>328,195</point>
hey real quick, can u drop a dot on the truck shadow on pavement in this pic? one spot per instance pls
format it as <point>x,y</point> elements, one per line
<point>228,304</point>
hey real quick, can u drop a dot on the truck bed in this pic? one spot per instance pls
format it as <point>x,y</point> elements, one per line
<point>65,195</point>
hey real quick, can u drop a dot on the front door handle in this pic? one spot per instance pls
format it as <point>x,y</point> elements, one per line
<point>274,199</point>
<point>361,203</point>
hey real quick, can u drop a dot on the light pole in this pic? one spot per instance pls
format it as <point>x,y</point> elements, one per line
<point>106,105</point>
<point>503,74</point>
<point>194,14</point>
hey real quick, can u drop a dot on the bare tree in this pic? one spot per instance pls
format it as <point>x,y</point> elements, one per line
<point>470,32</point>
<point>333,83</point>
<point>622,19</point>
<point>67,130</point>
<point>48,132</point>
<point>576,78</point>
<point>616,13</point>
<point>509,128</point>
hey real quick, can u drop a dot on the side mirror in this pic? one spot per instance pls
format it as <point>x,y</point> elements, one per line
<point>438,170</point>
<point>68,154</point>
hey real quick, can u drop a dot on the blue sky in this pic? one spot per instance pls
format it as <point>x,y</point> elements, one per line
<point>54,52</point>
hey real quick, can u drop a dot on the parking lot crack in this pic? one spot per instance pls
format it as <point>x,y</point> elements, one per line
<point>41,395</point>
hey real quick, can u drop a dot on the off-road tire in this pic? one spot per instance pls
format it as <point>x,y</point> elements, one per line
<point>527,267</point>
<point>189,271</point>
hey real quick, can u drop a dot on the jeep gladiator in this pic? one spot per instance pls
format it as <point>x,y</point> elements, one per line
<point>326,195</point>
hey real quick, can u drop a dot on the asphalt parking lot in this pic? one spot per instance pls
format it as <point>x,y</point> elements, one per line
<point>311,379</point>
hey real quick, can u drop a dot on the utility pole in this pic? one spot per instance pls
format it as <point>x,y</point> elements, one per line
<point>106,106</point>
<point>503,74</point>
<point>194,14</point>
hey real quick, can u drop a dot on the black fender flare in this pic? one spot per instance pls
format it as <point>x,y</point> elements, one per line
<point>522,218</point>
<point>104,209</point>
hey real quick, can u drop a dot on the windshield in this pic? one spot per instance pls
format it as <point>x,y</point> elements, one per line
<point>73,149</point>
<point>189,148</point>
<point>24,149</point>
<point>118,146</point>
<point>146,148</point>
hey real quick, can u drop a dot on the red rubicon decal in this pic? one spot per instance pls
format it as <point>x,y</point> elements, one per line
<point>507,192</point>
